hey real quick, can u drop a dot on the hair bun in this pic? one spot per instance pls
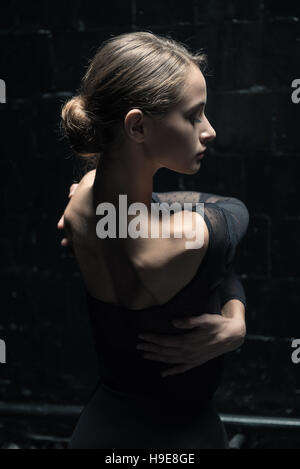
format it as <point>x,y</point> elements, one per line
<point>80,128</point>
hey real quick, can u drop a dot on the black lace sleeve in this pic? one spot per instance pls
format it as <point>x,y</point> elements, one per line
<point>231,288</point>
<point>234,211</point>
<point>227,219</point>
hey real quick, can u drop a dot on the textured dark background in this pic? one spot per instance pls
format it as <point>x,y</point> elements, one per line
<point>254,55</point>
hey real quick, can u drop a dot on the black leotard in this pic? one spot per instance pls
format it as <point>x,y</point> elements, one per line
<point>132,405</point>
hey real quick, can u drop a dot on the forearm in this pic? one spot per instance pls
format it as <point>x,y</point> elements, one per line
<point>179,196</point>
<point>233,303</point>
<point>190,197</point>
<point>234,309</point>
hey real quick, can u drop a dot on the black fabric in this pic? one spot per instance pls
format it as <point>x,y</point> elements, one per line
<point>115,421</point>
<point>231,288</point>
<point>115,329</point>
<point>123,370</point>
<point>237,221</point>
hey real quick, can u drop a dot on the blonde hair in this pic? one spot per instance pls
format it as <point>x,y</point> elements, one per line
<point>132,70</point>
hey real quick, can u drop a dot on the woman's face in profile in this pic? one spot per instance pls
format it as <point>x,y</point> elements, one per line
<point>185,131</point>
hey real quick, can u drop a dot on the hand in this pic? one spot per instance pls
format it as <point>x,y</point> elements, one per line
<point>60,224</point>
<point>212,336</point>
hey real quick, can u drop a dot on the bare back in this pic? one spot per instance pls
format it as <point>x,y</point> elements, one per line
<point>135,273</point>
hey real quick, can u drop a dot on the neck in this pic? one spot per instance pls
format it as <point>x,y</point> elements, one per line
<point>126,174</point>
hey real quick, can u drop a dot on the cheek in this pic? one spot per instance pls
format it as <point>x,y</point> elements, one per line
<point>176,139</point>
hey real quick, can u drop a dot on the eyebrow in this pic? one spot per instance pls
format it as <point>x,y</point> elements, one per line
<point>196,106</point>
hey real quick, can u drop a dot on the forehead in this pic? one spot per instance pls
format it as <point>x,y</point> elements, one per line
<point>195,86</point>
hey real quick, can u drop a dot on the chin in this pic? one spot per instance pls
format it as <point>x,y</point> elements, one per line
<point>192,169</point>
<point>185,171</point>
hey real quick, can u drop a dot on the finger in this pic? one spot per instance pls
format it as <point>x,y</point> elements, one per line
<point>164,340</point>
<point>162,358</point>
<point>177,342</point>
<point>203,320</point>
<point>73,188</point>
<point>148,347</point>
<point>190,353</point>
<point>188,366</point>
<point>60,224</point>
<point>64,242</point>
<point>187,323</point>
<point>176,370</point>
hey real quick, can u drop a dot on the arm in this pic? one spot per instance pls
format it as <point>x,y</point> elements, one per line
<point>61,224</point>
<point>191,197</point>
<point>210,335</point>
<point>232,288</point>
<point>235,211</point>
<point>179,196</point>
<point>233,303</point>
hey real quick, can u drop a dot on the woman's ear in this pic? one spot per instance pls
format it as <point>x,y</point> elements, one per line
<point>135,125</point>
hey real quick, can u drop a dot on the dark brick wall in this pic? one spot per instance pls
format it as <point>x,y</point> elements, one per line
<point>254,54</point>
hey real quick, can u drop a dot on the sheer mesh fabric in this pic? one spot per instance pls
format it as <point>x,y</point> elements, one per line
<point>132,401</point>
<point>227,219</point>
<point>122,367</point>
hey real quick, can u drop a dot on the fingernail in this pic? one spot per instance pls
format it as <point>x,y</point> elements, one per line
<point>177,323</point>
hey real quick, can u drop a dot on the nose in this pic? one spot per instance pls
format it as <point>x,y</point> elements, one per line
<point>207,132</point>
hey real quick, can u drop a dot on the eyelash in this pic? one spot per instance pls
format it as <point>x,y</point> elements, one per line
<point>195,119</point>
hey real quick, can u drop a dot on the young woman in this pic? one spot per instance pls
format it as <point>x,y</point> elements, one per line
<point>141,107</point>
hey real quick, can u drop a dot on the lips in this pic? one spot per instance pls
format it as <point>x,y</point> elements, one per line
<point>201,153</point>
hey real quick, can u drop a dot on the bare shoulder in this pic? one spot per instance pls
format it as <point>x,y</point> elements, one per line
<point>166,265</point>
<point>183,231</point>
